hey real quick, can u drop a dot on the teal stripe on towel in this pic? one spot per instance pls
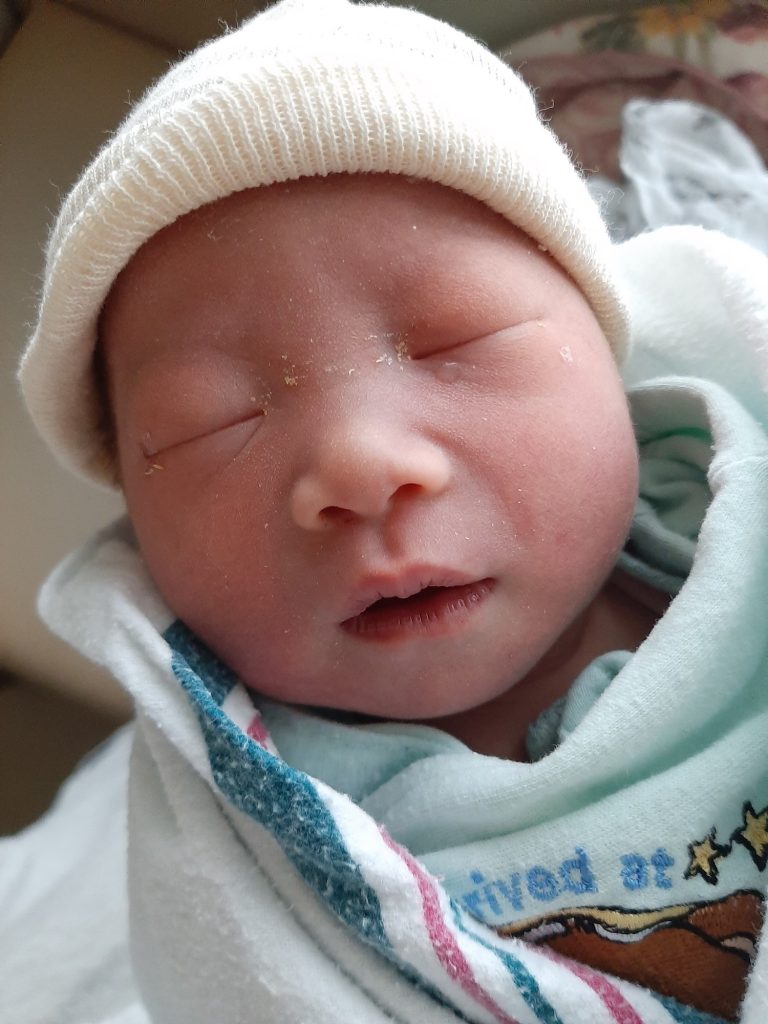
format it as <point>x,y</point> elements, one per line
<point>274,794</point>
<point>522,977</point>
<point>687,1014</point>
<point>217,679</point>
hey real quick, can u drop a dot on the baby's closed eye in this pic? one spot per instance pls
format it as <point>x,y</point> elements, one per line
<point>186,401</point>
<point>437,343</point>
<point>168,439</point>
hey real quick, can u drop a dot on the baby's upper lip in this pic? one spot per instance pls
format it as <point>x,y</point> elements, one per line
<point>402,584</point>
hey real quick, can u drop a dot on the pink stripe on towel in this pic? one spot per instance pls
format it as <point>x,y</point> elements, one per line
<point>613,1000</point>
<point>257,731</point>
<point>442,938</point>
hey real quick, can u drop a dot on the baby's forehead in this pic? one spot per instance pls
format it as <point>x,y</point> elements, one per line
<point>263,252</point>
<point>365,263</point>
<point>384,206</point>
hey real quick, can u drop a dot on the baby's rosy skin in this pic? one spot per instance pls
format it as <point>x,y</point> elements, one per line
<point>335,388</point>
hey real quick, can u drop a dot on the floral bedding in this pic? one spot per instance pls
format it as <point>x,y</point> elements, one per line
<point>584,71</point>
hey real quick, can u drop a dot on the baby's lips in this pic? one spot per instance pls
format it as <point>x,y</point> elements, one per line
<point>402,584</point>
<point>434,611</point>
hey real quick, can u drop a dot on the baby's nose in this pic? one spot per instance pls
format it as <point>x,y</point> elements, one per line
<point>358,474</point>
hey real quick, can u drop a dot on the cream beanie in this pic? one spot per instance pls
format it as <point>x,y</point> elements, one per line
<point>308,87</point>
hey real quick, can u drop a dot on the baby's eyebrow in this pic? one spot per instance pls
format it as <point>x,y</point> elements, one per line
<point>170,352</point>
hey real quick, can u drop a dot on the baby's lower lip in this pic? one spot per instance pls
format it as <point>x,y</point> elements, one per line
<point>436,611</point>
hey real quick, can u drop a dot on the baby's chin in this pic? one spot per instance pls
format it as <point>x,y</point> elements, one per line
<point>410,700</point>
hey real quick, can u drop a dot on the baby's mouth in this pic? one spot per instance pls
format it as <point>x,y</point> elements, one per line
<point>434,610</point>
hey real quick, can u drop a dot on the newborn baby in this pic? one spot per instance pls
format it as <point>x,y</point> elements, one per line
<point>376,451</point>
<point>417,736</point>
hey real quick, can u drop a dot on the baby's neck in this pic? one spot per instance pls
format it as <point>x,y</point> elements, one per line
<point>619,618</point>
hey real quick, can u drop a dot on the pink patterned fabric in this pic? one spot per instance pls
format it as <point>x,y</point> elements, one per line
<point>713,52</point>
<point>587,93</point>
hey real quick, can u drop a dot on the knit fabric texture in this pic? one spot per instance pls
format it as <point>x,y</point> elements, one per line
<point>308,87</point>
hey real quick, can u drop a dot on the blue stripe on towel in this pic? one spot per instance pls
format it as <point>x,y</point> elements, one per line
<point>274,794</point>
<point>686,1014</point>
<point>217,679</point>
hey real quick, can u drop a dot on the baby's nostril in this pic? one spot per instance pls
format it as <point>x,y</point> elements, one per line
<point>335,514</point>
<point>409,490</point>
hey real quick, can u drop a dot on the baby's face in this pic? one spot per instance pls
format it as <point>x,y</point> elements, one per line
<point>343,388</point>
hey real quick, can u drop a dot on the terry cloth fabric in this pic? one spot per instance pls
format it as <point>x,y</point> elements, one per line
<point>254,881</point>
<point>64,956</point>
<point>306,88</point>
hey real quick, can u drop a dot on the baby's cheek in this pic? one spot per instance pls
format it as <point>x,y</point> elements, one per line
<point>582,498</point>
<point>617,468</point>
<point>608,497</point>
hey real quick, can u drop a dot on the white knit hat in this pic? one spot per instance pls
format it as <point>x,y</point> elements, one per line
<point>309,87</point>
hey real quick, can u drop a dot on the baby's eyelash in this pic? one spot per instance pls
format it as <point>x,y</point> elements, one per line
<point>151,453</point>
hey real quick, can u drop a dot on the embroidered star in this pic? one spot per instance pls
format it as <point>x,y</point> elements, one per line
<point>754,835</point>
<point>704,856</point>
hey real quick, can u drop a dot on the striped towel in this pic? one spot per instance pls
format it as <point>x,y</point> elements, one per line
<point>258,893</point>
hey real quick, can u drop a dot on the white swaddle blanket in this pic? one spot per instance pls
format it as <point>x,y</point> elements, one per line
<point>685,163</point>
<point>257,893</point>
